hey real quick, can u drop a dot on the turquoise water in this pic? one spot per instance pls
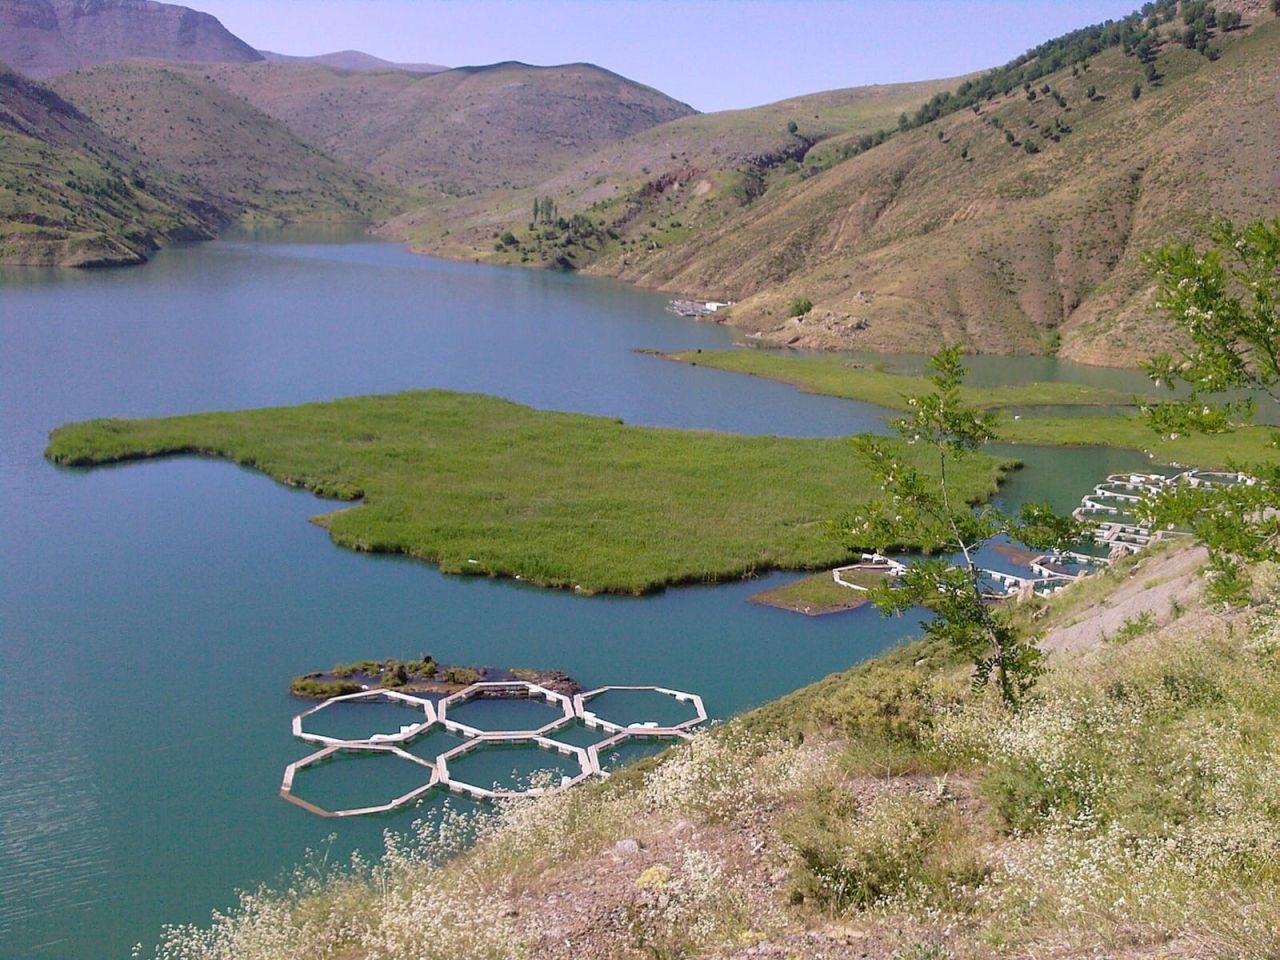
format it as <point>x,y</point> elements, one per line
<point>151,615</point>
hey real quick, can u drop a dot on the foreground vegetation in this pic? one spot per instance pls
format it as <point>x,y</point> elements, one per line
<point>481,485</point>
<point>1129,809</point>
<point>836,376</point>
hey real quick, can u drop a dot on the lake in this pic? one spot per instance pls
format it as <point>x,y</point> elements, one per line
<point>151,615</point>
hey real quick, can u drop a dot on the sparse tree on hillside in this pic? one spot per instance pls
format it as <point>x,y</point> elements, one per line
<point>916,507</point>
<point>1136,92</point>
<point>1227,302</point>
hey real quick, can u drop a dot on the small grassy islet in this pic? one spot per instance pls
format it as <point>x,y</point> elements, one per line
<point>485,486</point>
<point>819,593</point>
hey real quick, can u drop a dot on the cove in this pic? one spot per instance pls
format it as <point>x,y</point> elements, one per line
<point>151,615</point>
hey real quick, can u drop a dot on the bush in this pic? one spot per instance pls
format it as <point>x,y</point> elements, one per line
<point>799,307</point>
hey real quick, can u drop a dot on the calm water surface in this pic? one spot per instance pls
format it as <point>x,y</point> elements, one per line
<point>151,615</point>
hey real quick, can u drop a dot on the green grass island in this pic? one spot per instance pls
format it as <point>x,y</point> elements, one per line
<point>836,376</point>
<point>480,485</point>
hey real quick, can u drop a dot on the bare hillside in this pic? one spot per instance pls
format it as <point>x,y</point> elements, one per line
<point>710,162</point>
<point>43,38</point>
<point>957,231</point>
<point>457,132</point>
<point>354,60</point>
<point>242,160</point>
<point>1014,227</point>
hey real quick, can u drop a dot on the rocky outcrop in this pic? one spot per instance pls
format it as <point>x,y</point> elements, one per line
<point>43,38</point>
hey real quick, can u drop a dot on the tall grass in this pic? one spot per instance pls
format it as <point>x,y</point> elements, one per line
<point>481,485</point>
<point>832,376</point>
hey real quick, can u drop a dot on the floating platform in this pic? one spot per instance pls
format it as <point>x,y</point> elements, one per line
<point>429,716</point>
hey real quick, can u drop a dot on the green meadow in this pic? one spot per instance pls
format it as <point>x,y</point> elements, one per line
<point>481,485</point>
<point>835,376</point>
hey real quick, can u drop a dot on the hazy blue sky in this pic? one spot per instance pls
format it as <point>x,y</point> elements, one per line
<point>713,54</point>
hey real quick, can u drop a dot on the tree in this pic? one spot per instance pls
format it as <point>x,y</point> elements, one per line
<point>792,127</point>
<point>1136,92</point>
<point>1227,303</point>
<point>1092,92</point>
<point>919,507</point>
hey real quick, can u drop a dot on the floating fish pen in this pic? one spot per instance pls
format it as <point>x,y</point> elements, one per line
<point>442,771</point>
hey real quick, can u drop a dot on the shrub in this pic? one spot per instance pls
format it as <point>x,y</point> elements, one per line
<point>799,307</point>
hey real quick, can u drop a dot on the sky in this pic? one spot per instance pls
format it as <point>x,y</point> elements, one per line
<point>712,54</point>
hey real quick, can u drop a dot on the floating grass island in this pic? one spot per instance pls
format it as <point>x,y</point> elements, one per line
<point>480,485</point>
<point>423,675</point>
<point>835,375</point>
<point>819,594</point>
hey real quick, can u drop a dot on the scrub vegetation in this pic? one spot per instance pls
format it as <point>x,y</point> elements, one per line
<point>481,485</point>
<point>1128,809</point>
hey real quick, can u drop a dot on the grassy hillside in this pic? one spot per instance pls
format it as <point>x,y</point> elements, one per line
<point>72,196</point>
<point>457,132</point>
<point>1130,810</point>
<point>1012,227</point>
<point>480,485</point>
<point>245,162</point>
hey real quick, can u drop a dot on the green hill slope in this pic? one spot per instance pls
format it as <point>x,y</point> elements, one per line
<point>244,161</point>
<point>72,196</point>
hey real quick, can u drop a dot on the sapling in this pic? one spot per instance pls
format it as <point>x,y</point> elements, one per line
<point>923,508</point>
<point>1224,301</point>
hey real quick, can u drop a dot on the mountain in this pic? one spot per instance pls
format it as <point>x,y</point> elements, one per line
<point>70,195</point>
<point>241,160</point>
<point>355,61</point>
<point>43,38</point>
<point>458,132</point>
<point>703,165</point>
<point>1011,225</point>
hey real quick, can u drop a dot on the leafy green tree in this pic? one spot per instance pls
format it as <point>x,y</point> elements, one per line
<point>792,127</point>
<point>919,507</point>
<point>1136,92</point>
<point>1225,302</point>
